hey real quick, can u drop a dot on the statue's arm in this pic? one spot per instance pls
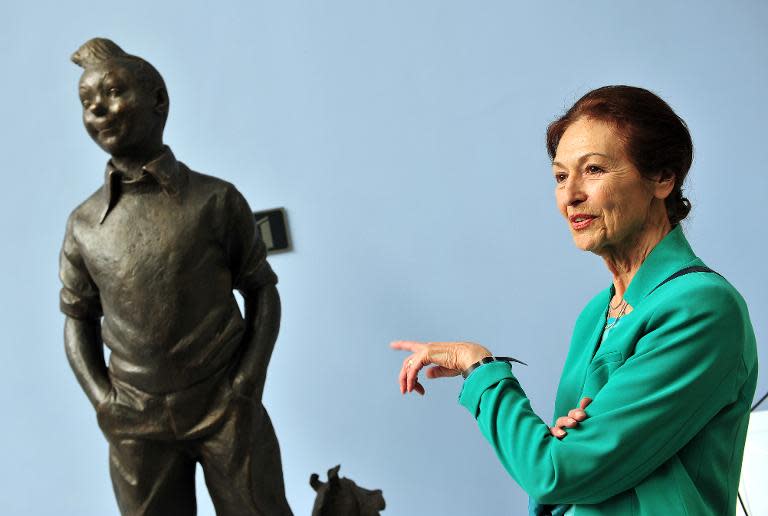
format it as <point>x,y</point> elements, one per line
<point>85,352</point>
<point>254,279</point>
<point>262,319</point>
<point>81,304</point>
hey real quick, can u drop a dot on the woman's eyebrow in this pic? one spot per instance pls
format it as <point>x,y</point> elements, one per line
<point>582,158</point>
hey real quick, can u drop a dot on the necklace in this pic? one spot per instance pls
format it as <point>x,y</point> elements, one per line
<point>609,325</point>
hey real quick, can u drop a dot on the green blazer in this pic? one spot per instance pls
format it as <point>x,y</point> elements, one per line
<point>671,385</point>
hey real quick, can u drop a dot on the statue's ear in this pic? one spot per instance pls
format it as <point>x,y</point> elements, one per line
<point>161,101</point>
<point>314,481</point>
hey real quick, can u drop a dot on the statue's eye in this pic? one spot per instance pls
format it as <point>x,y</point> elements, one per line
<point>113,92</point>
<point>85,102</point>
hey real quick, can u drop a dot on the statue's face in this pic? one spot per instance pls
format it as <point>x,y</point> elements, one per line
<point>119,112</point>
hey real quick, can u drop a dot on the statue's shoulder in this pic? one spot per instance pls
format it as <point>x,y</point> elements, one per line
<point>208,185</point>
<point>89,211</point>
<point>206,180</point>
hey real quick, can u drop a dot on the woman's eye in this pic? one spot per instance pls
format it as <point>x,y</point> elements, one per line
<point>559,178</point>
<point>594,169</point>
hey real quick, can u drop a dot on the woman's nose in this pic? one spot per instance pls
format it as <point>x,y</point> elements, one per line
<point>575,193</point>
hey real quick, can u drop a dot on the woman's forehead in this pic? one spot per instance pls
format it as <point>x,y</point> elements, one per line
<point>589,136</point>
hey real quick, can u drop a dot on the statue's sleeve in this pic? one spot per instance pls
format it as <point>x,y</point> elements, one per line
<point>79,297</point>
<point>246,252</point>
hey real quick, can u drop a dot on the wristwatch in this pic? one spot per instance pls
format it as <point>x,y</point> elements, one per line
<point>488,360</point>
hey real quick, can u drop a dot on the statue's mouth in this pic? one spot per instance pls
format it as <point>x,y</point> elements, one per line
<point>108,130</point>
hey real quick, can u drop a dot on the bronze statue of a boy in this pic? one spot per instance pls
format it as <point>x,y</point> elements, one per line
<point>148,267</point>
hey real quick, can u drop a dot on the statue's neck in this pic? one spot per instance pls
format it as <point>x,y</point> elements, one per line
<point>130,164</point>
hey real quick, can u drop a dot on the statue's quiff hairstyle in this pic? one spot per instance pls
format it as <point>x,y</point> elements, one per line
<point>97,51</point>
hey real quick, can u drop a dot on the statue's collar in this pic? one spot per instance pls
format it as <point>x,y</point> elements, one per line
<point>164,169</point>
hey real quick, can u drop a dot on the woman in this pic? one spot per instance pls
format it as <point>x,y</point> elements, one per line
<point>653,403</point>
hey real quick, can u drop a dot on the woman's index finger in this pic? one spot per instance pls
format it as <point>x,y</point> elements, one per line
<point>407,345</point>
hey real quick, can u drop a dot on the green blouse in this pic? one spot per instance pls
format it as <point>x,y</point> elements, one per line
<point>671,387</point>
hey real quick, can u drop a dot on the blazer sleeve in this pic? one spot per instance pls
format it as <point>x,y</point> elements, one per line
<point>685,369</point>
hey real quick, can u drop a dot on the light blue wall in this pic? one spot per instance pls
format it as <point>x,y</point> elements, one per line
<point>405,139</point>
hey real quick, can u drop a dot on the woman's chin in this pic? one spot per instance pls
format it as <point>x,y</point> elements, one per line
<point>586,242</point>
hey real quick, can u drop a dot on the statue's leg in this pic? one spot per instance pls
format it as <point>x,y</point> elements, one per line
<point>152,478</point>
<point>241,462</point>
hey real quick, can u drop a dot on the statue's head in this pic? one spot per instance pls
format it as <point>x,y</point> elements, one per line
<point>125,102</point>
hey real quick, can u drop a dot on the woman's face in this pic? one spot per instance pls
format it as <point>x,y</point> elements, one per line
<point>604,198</point>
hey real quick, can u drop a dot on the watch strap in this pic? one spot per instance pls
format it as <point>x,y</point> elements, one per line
<point>488,360</point>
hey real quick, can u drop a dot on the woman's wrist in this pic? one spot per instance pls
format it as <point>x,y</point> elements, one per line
<point>475,358</point>
<point>487,360</point>
<point>474,354</point>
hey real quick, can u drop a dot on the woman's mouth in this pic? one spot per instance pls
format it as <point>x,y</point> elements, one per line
<point>581,221</point>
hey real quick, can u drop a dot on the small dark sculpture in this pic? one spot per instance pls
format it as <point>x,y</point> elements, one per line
<point>342,497</point>
<point>148,266</point>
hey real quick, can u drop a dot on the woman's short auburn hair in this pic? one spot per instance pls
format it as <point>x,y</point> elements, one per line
<point>656,140</point>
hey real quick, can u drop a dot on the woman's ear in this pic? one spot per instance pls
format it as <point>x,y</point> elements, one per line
<point>664,185</point>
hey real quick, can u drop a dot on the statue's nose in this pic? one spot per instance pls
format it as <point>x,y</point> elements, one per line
<point>97,106</point>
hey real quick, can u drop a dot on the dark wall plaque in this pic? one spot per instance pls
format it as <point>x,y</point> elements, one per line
<point>273,229</point>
